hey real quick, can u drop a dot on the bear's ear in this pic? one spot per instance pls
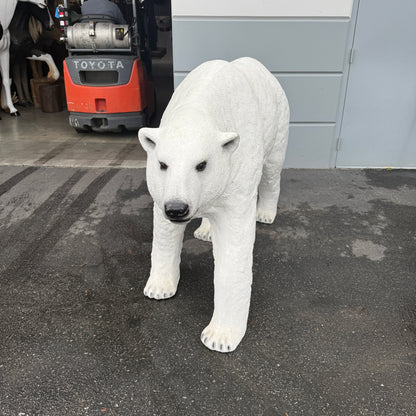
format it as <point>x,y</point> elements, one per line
<point>148,138</point>
<point>229,141</point>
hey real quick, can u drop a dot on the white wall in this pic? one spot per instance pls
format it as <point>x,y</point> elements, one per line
<point>304,43</point>
<point>258,8</point>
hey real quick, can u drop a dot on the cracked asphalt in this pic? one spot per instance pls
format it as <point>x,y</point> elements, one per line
<point>332,327</point>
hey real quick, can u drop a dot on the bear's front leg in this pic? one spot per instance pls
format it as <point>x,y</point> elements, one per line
<point>166,257</point>
<point>233,237</point>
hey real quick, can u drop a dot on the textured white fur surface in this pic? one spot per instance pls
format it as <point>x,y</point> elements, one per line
<point>235,117</point>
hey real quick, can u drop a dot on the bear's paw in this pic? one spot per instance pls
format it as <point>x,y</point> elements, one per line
<point>221,339</point>
<point>203,235</point>
<point>265,216</point>
<point>203,232</point>
<point>159,290</point>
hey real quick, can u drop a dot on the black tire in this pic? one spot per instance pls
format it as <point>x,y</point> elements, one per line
<point>80,130</point>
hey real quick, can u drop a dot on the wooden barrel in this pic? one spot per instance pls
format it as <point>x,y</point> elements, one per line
<point>35,84</point>
<point>50,98</point>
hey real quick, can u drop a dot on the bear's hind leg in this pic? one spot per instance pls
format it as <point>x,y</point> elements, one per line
<point>269,188</point>
<point>203,232</point>
<point>166,256</point>
<point>269,191</point>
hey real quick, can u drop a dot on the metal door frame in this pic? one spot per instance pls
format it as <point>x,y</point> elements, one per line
<point>344,88</point>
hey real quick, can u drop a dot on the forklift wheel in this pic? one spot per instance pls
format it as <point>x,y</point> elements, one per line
<point>79,130</point>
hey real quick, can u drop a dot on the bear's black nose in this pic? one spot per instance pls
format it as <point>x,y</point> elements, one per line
<point>176,210</point>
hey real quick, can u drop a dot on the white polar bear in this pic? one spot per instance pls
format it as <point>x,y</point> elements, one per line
<point>217,154</point>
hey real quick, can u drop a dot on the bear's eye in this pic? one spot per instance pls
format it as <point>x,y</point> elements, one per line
<point>201,166</point>
<point>163,166</point>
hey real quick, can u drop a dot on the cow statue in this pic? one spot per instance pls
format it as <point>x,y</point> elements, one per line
<point>26,31</point>
<point>7,9</point>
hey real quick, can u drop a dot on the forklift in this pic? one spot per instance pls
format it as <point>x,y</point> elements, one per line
<point>107,72</point>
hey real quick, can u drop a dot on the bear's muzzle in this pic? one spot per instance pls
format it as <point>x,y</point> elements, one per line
<point>176,211</point>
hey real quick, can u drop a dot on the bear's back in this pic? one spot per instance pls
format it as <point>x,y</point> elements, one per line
<point>235,90</point>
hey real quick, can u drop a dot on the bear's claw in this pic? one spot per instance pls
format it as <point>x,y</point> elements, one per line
<point>203,233</point>
<point>265,216</point>
<point>204,236</point>
<point>159,291</point>
<point>219,339</point>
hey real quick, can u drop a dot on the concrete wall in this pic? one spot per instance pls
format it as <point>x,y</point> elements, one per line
<point>303,43</point>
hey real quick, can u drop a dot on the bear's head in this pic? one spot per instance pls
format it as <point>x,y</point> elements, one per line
<point>188,168</point>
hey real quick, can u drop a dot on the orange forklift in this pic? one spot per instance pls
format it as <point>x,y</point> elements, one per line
<point>107,72</point>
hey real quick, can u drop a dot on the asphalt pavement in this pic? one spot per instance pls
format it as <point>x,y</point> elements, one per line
<point>332,326</point>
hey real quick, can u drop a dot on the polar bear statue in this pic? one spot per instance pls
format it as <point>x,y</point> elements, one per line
<point>217,155</point>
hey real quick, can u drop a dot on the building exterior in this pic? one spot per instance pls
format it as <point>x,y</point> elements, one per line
<point>334,59</point>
